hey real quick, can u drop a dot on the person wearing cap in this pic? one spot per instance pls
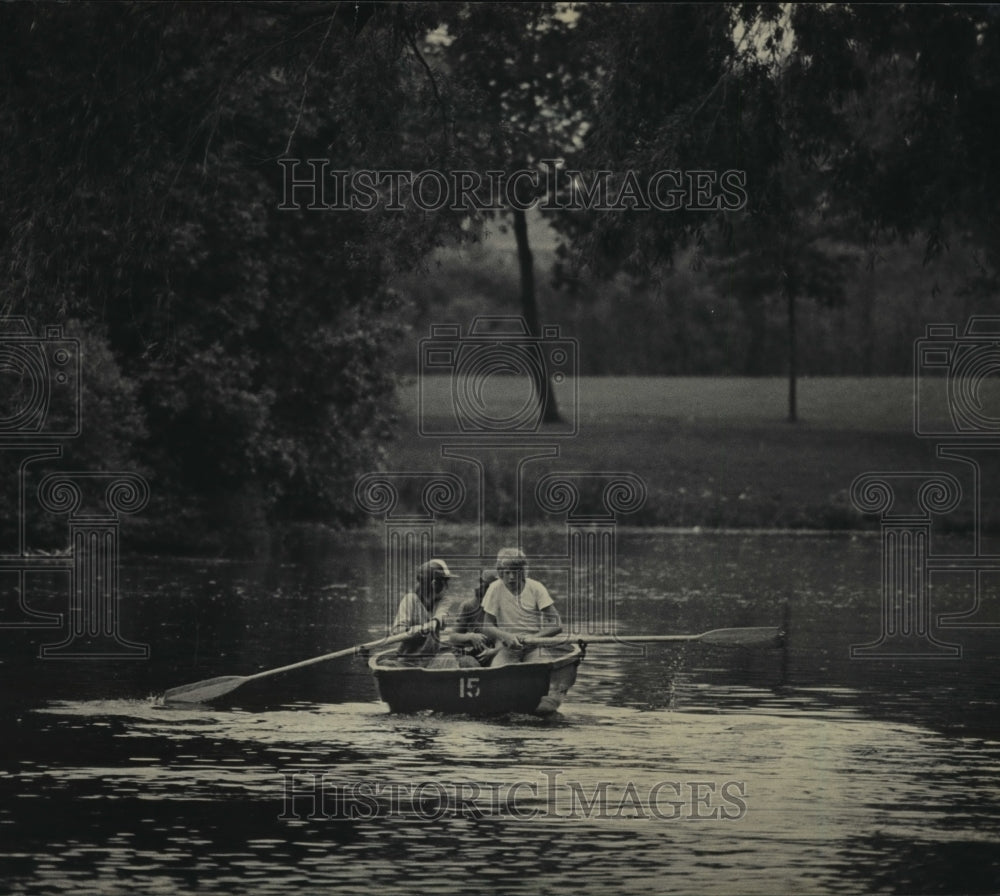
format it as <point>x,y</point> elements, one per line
<point>425,606</point>
<point>517,608</point>
<point>428,606</point>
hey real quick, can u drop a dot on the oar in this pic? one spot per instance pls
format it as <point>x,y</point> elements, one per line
<point>211,688</point>
<point>761,636</point>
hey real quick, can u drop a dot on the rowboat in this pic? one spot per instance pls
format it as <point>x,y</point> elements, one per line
<point>534,687</point>
<point>530,687</point>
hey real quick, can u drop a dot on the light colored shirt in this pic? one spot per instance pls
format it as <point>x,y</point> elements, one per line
<point>412,612</point>
<point>517,614</point>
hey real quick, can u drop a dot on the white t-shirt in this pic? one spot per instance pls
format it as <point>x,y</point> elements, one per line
<point>411,613</point>
<point>517,614</point>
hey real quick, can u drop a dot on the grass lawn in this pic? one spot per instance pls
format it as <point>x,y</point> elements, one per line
<point>712,452</point>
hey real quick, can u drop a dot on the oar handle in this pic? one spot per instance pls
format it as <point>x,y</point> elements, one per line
<point>371,645</point>
<point>730,637</point>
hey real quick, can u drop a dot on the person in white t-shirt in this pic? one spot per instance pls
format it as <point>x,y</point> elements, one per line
<point>516,608</point>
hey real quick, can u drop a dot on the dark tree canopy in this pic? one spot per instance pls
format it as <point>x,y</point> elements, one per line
<point>894,107</point>
<point>250,346</point>
<point>141,193</point>
<point>853,124</point>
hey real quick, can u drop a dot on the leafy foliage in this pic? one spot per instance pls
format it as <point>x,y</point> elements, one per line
<point>143,193</point>
<point>243,353</point>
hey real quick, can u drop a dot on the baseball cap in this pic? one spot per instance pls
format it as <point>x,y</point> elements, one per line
<point>434,569</point>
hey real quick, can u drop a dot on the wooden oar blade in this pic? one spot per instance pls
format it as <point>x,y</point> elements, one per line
<point>762,636</point>
<point>203,691</point>
<point>211,688</point>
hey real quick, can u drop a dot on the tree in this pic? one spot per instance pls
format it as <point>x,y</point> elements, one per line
<point>794,242</point>
<point>695,93</point>
<point>521,91</point>
<point>850,122</point>
<point>142,193</point>
<point>907,99</point>
<point>890,107</point>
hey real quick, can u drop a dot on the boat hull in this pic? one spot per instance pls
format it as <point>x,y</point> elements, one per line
<point>533,687</point>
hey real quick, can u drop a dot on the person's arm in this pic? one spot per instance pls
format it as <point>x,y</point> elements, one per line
<point>475,640</point>
<point>551,623</point>
<point>447,614</point>
<point>465,631</point>
<point>492,630</point>
<point>403,615</point>
<point>407,617</point>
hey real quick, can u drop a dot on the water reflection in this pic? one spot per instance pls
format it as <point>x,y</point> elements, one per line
<point>853,776</point>
<point>154,797</point>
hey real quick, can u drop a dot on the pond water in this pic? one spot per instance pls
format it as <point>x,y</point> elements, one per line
<point>682,768</point>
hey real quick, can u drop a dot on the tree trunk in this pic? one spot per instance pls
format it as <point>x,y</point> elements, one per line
<point>792,358</point>
<point>542,383</point>
<point>754,318</point>
<point>868,333</point>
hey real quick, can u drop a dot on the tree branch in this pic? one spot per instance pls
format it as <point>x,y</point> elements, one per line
<point>305,82</point>
<point>434,87</point>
